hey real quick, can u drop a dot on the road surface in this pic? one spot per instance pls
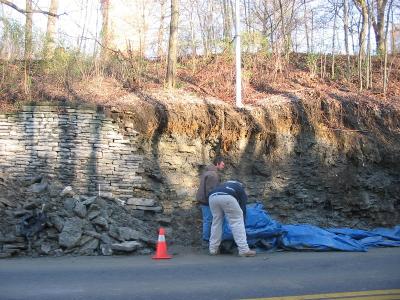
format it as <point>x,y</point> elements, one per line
<point>200,276</point>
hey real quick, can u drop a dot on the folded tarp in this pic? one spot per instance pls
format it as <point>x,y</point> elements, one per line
<point>378,237</point>
<point>264,232</point>
<point>260,227</point>
<point>308,237</point>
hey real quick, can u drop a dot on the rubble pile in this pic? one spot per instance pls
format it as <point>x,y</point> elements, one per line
<point>41,216</point>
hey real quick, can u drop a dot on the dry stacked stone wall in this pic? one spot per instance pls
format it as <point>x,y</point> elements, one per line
<point>83,148</point>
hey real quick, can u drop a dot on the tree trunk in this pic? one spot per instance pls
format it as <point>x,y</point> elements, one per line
<point>393,36</point>
<point>28,31</point>
<point>306,26</point>
<point>82,40</point>
<point>379,25</point>
<point>173,45</point>
<point>49,43</point>
<point>28,47</point>
<point>105,35</point>
<point>312,31</point>
<point>193,42</point>
<point>227,19</point>
<point>142,30</point>
<point>161,29</point>
<point>283,31</point>
<point>385,65</point>
<point>362,5</point>
<point>203,29</point>
<point>333,40</point>
<point>368,70</point>
<point>346,32</point>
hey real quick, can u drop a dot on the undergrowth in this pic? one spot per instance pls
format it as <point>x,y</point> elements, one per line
<point>263,74</point>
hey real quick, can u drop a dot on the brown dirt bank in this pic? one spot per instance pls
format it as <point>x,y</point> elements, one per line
<point>325,157</point>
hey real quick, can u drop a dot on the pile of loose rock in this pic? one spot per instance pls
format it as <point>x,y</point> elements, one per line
<point>41,216</point>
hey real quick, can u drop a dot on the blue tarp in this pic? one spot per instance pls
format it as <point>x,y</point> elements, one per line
<point>264,232</point>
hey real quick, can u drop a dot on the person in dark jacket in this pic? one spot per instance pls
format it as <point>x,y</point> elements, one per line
<point>209,179</point>
<point>229,199</point>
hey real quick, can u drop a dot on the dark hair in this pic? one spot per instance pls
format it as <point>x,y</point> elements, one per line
<point>238,182</point>
<point>217,160</point>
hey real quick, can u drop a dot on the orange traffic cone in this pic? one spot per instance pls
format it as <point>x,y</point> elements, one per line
<point>161,252</point>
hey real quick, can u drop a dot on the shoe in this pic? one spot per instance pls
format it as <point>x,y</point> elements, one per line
<point>213,253</point>
<point>249,253</point>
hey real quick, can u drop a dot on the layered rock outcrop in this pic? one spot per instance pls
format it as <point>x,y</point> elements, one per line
<point>328,162</point>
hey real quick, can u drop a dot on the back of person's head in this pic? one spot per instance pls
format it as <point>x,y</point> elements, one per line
<point>219,162</point>
<point>235,182</point>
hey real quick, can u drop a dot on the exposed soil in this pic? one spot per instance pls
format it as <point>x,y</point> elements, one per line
<point>305,136</point>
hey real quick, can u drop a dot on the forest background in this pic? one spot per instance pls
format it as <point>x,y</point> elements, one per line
<point>49,46</point>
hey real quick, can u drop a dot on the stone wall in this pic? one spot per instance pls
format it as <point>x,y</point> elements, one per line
<point>82,148</point>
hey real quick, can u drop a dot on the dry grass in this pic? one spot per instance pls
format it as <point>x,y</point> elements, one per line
<point>118,85</point>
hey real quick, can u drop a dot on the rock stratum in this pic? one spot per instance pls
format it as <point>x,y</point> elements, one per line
<point>101,180</point>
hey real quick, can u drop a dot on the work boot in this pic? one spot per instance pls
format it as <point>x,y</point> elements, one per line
<point>213,253</point>
<point>249,253</point>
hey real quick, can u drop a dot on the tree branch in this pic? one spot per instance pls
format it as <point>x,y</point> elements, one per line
<point>23,11</point>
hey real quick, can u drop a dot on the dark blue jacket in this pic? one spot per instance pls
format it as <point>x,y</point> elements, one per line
<point>236,190</point>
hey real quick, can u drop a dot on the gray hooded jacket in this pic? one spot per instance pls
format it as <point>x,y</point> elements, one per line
<point>208,181</point>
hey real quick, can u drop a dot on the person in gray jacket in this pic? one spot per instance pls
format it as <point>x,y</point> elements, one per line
<point>209,179</point>
<point>229,199</point>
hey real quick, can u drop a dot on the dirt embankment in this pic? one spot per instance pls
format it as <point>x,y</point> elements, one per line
<point>312,153</point>
<point>321,156</point>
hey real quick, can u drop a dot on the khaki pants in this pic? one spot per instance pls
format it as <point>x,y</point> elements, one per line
<point>227,205</point>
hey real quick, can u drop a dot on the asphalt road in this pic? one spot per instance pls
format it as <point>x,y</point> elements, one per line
<point>199,276</point>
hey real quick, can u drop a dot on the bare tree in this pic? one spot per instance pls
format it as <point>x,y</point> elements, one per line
<point>84,10</point>
<point>173,45</point>
<point>378,22</point>
<point>362,6</point>
<point>306,26</point>
<point>28,11</point>
<point>335,12</point>
<point>346,32</point>
<point>160,35</point>
<point>203,23</point>
<point>105,34</point>
<point>28,30</point>
<point>49,43</point>
<point>385,66</point>
<point>368,65</point>
<point>227,19</point>
<point>24,11</point>
<point>264,14</point>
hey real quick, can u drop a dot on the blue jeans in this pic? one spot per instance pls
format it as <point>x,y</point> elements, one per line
<point>207,220</point>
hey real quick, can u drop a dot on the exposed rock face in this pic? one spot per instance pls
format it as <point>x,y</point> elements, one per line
<point>325,162</point>
<point>44,224</point>
<point>71,233</point>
